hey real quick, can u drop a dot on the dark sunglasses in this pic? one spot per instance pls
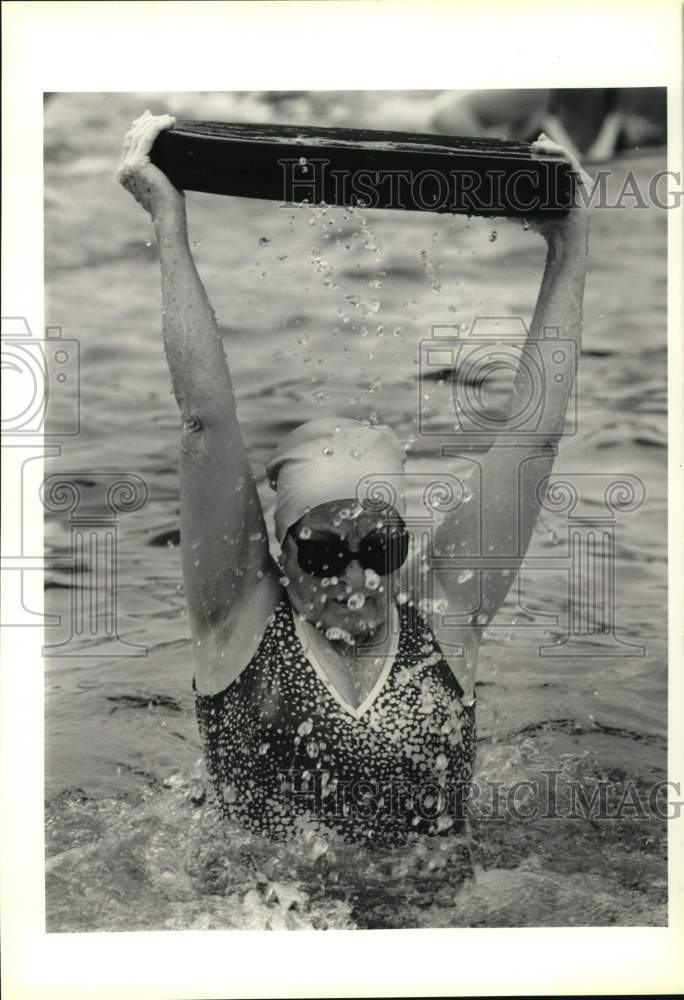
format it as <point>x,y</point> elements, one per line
<point>382,550</point>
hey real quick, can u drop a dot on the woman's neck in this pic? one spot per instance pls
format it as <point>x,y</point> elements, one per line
<point>353,669</point>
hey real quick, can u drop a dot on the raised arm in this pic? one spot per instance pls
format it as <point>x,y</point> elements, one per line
<point>499,521</point>
<point>224,545</point>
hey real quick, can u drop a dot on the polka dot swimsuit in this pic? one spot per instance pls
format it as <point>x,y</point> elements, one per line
<point>284,753</point>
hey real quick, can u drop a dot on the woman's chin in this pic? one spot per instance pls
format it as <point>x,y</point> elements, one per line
<point>358,623</point>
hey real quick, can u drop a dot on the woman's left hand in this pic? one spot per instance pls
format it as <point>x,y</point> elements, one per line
<point>574,226</point>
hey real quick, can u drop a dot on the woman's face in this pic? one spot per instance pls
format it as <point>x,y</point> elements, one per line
<point>354,603</point>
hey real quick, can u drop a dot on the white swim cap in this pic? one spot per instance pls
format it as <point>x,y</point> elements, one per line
<point>335,458</point>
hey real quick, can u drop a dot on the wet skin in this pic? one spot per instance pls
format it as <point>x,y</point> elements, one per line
<point>324,603</point>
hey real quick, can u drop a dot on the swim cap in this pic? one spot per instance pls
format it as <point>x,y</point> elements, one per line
<point>334,458</point>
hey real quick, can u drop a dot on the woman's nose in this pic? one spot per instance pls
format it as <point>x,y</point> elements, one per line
<point>353,575</point>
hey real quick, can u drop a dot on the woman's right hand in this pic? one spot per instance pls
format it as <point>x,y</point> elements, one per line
<point>149,185</point>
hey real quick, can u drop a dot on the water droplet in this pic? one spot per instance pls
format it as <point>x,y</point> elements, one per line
<point>319,848</point>
<point>371,579</point>
<point>228,793</point>
<point>335,633</point>
<point>464,576</point>
<point>306,727</point>
<point>356,601</point>
<point>328,452</point>
<point>305,533</point>
<point>430,272</point>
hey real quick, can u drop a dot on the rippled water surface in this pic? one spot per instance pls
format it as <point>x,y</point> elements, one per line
<point>323,312</point>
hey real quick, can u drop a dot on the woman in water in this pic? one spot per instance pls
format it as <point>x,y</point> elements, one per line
<point>323,695</point>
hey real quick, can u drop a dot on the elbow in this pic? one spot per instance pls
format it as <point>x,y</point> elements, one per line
<point>208,424</point>
<point>193,436</point>
<point>192,424</point>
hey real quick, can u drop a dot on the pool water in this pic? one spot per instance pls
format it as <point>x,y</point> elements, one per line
<point>323,311</point>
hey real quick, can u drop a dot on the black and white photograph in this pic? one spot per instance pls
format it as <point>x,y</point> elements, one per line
<point>347,425</point>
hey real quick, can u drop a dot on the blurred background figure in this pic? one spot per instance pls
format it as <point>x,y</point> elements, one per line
<point>501,114</point>
<point>593,124</point>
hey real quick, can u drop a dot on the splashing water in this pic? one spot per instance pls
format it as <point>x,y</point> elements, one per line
<point>335,633</point>
<point>165,859</point>
<point>430,271</point>
<point>322,267</point>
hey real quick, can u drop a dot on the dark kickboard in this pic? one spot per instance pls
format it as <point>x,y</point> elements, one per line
<point>401,170</point>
